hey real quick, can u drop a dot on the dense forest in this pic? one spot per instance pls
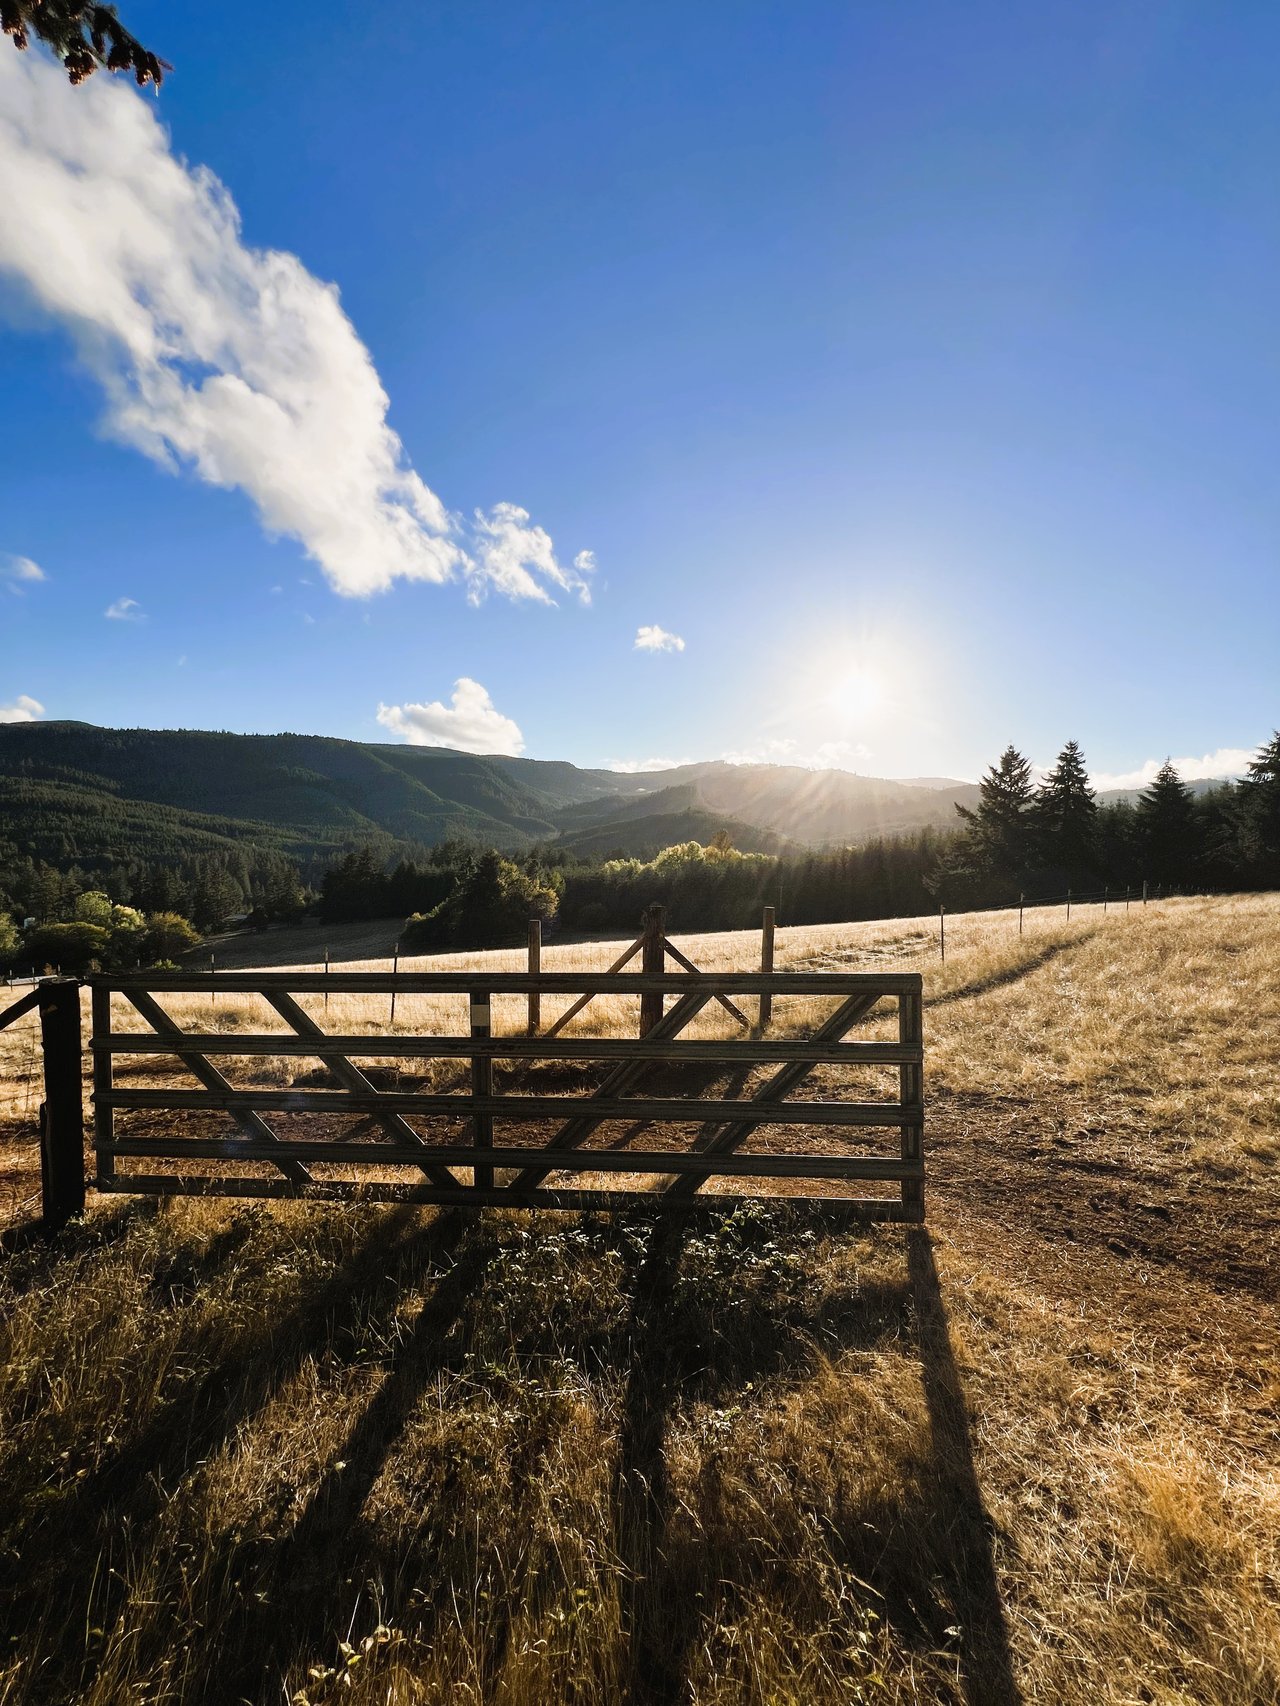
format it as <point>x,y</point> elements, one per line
<point>1020,838</point>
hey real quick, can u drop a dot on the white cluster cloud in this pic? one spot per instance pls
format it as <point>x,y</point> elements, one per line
<point>655,639</point>
<point>229,360</point>
<point>124,610</point>
<point>17,572</point>
<point>1226,762</point>
<point>510,552</point>
<point>24,709</point>
<point>471,722</point>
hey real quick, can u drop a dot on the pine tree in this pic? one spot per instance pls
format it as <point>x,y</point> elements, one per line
<point>1260,812</point>
<point>999,828</point>
<point>1168,832</point>
<point>1066,818</point>
<point>84,35</point>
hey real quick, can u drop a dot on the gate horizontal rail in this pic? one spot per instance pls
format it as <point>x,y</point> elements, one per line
<point>482,1166</point>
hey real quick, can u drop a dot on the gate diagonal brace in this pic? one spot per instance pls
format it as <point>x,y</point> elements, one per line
<point>779,1086</point>
<point>351,1078</point>
<point>212,1079</point>
<point>575,1132</point>
<point>730,1008</point>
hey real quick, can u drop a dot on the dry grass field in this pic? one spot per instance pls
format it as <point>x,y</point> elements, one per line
<point>1027,1454</point>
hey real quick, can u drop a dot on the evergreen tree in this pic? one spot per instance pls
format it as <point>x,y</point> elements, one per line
<point>1259,798</point>
<point>1066,818</point>
<point>1165,819</point>
<point>84,35</point>
<point>999,828</point>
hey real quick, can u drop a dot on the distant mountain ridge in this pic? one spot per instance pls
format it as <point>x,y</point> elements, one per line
<point>73,791</point>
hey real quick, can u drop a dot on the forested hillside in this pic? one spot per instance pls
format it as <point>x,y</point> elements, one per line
<point>99,798</point>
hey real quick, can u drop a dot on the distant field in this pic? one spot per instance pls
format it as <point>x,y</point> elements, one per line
<point>306,1455</point>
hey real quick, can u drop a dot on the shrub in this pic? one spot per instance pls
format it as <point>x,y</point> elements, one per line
<point>168,935</point>
<point>74,947</point>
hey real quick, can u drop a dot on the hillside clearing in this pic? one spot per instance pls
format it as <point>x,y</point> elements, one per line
<point>1030,1454</point>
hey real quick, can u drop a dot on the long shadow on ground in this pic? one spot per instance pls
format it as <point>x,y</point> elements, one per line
<point>929,1558</point>
<point>698,1320</point>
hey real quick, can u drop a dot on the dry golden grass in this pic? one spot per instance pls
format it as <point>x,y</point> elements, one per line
<point>295,1454</point>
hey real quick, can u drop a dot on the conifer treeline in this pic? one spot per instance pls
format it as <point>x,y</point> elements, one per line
<point>1044,840</point>
<point>1023,838</point>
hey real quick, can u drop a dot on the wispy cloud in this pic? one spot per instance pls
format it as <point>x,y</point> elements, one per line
<point>825,755</point>
<point>655,639</point>
<point>510,553</point>
<point>19,572</point>
<point>639,766</point>
<point>1226,762</point>
<point>471,722</point>
<point>232,361</point>
<point>125,610</point>
<point>24,709</point>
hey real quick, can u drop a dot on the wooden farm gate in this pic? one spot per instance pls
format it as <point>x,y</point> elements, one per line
<point>457,1145</point>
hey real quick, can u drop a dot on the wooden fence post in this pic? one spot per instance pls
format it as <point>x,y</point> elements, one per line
<point>62,1112</point>
<point>652,964</point>
<point>942,932</point>
<point>1068,906</point>
<point>395,972</point>
<point>766,967</point>
<point>1021,903</point>
<point>911,1095</point>
<point>535,966</point>
<point>103,1082</point>
<point>482,1082</point>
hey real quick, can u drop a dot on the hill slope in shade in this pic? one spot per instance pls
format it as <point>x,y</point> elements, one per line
<point>72,791</point>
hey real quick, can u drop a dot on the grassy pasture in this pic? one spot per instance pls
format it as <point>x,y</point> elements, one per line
<point>1029,1454</point>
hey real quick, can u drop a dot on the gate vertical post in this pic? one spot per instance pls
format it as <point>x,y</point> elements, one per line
<point>652,964</point>
<point>535,967</point>
<point>481,1084</point>
<point>911,1095</point>
<point>62,1114</point>
<point>103,1077</point>
<point>766,968</point>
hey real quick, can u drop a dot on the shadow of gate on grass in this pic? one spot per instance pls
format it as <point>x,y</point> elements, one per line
<point>926,1556</point>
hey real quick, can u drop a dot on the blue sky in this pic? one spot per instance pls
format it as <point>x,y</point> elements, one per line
<point>913,365</point>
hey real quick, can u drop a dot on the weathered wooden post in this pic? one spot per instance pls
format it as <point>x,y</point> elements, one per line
<point>1022,899</point>
<point>535,966</point>
<point>482,1083</point>
<point>104,1128</point>
<point>766,967</point>
<point>911,1096</point>
<point>62,1111</point>
<point>652,964</point>
<point>1068,906</point>
<point>395,972</point>
<point>942,932</point>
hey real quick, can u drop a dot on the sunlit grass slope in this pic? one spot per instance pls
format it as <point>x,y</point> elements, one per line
<point>307,1455</point>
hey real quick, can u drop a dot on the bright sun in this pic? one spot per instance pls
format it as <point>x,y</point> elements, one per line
<point>856,694</point>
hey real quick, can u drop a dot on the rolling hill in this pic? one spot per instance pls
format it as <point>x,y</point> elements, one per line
<point>76,792</point>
